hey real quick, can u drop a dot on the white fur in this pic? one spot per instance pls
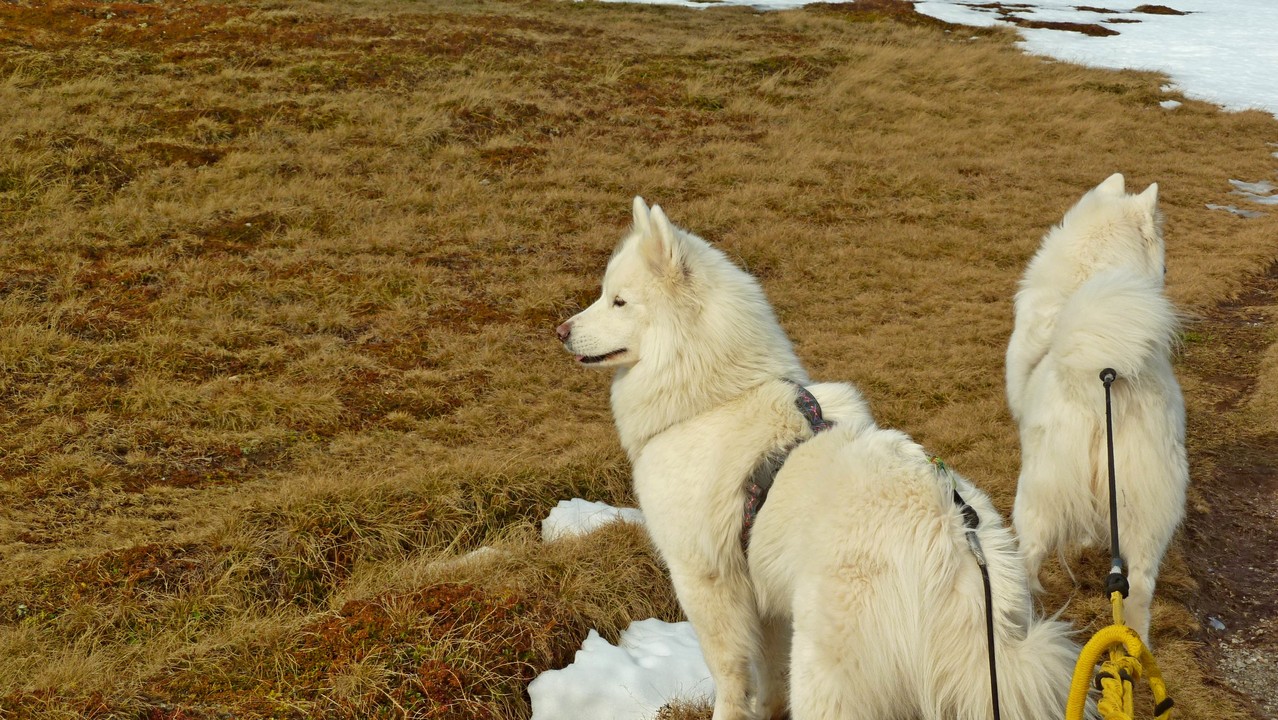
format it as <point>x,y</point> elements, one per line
<point>1093,298</point>
<point>859,552</point>
<point>866,552</point>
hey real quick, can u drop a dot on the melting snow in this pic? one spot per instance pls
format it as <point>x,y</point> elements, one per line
<point>578,517</point>
<point>655,662</point>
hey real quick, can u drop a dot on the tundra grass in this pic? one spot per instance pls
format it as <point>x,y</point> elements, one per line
<point>278,283</point>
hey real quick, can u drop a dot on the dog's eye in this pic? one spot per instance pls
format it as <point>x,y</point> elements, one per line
<point>618,302</point>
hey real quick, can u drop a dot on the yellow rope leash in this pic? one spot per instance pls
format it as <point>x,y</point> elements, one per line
<point>1128,661</point>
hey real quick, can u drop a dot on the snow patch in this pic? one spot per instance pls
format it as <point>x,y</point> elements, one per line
<point>1236,210</point>
<point>655,663</point>
<point>579,517</point>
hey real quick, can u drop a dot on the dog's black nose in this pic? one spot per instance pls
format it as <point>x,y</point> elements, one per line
<point>563,331</point>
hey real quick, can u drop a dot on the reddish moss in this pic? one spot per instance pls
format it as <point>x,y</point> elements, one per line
<point>232,122</point>
<point>171,713</point>
<point>507,159</point>
<point>46,703</point>
<point>468,315</point>
<point>28,277</point>
<point>405,352</point>
<point>57,23</point>
<point>479,123</point>
<point>90,164</point>
<point>100,322</point>
<point>436,676</point>
<point>118,300</point>
<point>113,577</point>
<point>173,154</point>
<point>153,567</point>
<point>1090,29</point>
<point>1006,12</point>
<point>1157,10</point>
<point>239,234</point>
<point>184,465</point>
<point>901,11</point>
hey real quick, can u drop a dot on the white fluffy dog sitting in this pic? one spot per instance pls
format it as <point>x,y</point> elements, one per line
<point>1092,298</point>
<point>858,579</point>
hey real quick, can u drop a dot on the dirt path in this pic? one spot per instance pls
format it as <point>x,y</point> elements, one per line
<point>1231,531</point>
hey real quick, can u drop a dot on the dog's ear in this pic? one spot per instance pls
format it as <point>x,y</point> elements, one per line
<point>640,210</point>
<point>1114,185</point>
<point>1149,198</point>
<point>1151,222</point>
<point>662,247</point>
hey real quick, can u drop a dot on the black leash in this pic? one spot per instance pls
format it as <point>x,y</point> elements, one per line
<point>971,521</point>
<point>1116,581</point>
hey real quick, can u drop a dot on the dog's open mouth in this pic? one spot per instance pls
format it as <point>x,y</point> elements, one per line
<point>589,359</point>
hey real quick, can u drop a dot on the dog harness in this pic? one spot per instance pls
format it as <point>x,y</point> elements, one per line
<point>760,480</point>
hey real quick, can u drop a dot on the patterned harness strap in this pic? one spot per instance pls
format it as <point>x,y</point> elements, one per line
<point>760,482</point>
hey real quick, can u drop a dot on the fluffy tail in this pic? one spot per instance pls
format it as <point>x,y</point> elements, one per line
<point>1035,656</point>
<point>1117,319</point>
<point>1034,673</point>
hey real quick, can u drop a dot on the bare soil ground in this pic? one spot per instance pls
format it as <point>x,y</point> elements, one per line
<point>1232,525</point>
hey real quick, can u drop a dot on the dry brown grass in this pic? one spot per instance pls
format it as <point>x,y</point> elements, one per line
<point>277,283</point>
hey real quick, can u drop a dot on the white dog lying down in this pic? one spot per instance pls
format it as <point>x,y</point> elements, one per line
<point>859,551</point>
<point>1092,298</point>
